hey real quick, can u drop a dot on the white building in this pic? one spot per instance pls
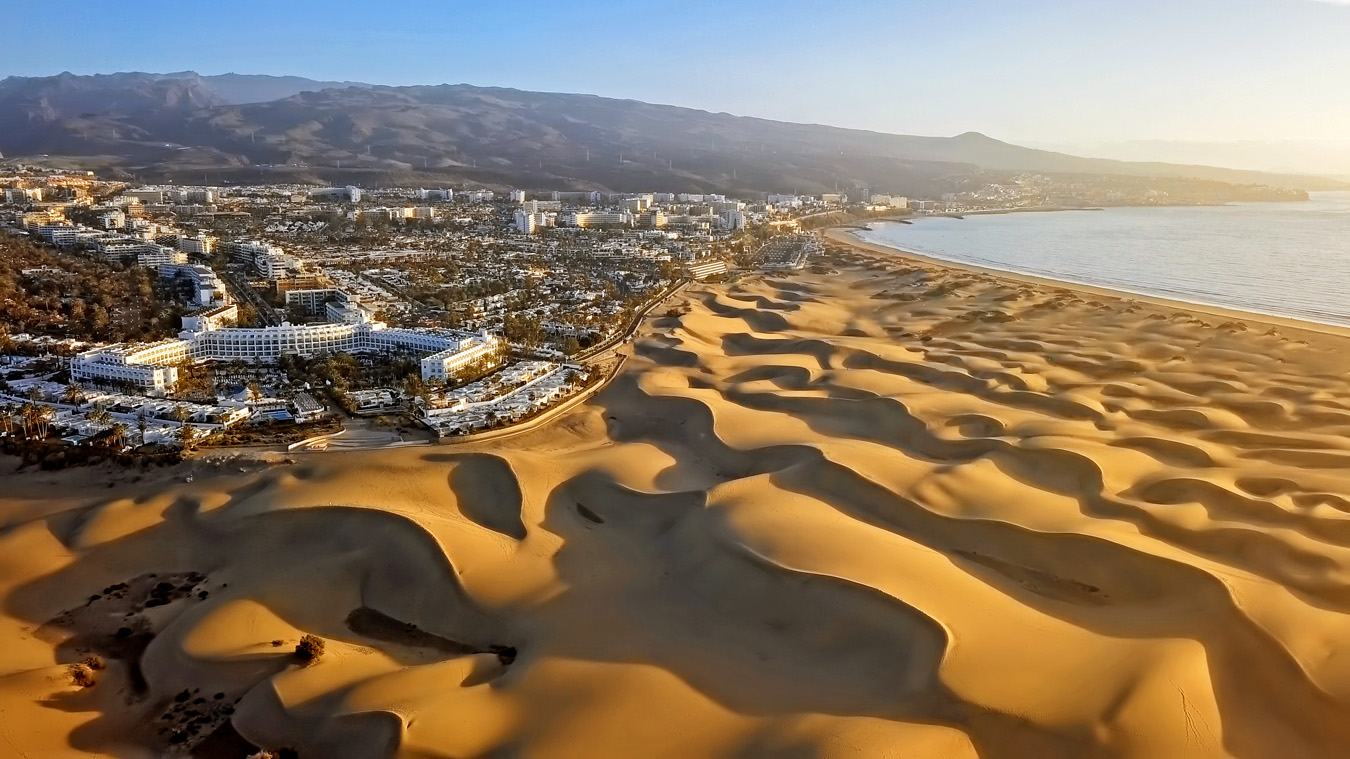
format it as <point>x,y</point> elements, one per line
<point>347,312</point>
<point>710,268</point>
<point>146,253</point>
<point>63,235</point>
<point>196,195</point>
<point>349,194</point>
<point>214,317</point>
<point>447,363</point>
<point>203,245</point>
<point>270,261</point>
<point>529,223</point>
<point>23,196</point>
<point>207,289</point>
<point>890,201</point>
<point>145,196</point>
<point>582,198</point>
<point>149,367</point>
<point>591,219</point>
<point>113,219</point>
<point>159,255</point>
<point>314,302</point>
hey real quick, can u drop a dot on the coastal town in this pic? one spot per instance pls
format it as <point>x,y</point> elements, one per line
<point>714,381</point>
<point>156,320</point>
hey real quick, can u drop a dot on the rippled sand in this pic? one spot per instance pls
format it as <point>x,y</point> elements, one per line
<point>889,510</point>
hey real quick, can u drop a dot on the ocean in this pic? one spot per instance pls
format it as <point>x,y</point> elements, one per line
<point>1283,259</point>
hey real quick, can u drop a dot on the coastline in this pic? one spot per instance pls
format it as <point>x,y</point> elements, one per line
<point>1301,328</point>
<point>1128,497</point>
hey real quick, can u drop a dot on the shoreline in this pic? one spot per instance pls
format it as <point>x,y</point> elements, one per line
<point>1120,494</point>
<point>1304,328</point>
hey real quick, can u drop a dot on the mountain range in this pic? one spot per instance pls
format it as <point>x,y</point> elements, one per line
<point>233,127</point>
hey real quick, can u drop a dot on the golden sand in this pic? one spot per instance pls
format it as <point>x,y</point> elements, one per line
<point>896,509</point>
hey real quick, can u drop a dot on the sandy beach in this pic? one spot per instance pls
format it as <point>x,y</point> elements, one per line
<point>889,507</point>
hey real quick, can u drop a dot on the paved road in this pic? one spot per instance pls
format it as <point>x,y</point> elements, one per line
<point>242,292</point>
<point>597,351</point>
<point>358,440</point>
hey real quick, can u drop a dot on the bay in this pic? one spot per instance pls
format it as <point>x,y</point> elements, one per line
<point>1283,259</point>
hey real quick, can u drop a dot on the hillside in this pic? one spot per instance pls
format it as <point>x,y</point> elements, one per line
<point>185,125</point>
<point>261,88</point>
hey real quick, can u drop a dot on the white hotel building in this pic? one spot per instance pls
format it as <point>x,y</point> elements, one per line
<point>592,219</point>
<point>151,367</point>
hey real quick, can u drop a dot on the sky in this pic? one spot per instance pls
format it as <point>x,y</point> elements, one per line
<point>1266,78</point>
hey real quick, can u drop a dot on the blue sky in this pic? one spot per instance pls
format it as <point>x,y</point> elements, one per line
<point>1041,71</point>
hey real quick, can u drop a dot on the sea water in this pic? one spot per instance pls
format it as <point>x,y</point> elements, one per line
<point>1285,259</point>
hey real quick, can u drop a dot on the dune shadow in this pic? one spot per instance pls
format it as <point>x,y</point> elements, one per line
<point>487,493</point>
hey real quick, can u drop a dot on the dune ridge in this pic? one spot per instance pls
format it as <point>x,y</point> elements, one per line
<point>882,507</point>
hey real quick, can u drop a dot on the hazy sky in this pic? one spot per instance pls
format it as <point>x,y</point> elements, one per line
<point>1050,72</point>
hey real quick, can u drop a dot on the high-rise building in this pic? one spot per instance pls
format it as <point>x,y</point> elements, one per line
<point>733,220</point>
<point>529,223</point>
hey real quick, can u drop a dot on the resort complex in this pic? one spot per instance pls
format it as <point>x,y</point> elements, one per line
<point>152,368</point>
<point>457,309</point>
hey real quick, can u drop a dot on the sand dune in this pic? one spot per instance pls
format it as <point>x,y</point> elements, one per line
<point>895,509</point>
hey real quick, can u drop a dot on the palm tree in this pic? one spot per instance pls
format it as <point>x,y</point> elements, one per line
<point>74,395</point>
<point>100,415</point>
<point>28,416</point>
<point>117,435</point>
<point>181,414</point>
<point>142,424</point>
<point>7,417</point>
<point>187,436</point>
<point>36,417</point>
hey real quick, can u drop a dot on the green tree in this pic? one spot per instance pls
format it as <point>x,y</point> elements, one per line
<point>74,395</point>
<point>36,419</point>
<point>187,436</point>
